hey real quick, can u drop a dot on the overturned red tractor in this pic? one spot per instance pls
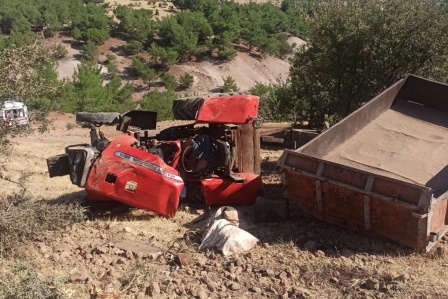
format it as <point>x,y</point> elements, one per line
<point>213,161</point>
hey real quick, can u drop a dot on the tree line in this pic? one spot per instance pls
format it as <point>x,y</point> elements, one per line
<point>355,49</point>
<point>202,26</point>
<point>199,27</point>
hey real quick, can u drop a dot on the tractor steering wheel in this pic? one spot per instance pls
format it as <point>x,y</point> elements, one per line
<point>187,150</point>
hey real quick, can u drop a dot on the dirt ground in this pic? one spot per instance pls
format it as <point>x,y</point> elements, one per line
<point>297,258</point>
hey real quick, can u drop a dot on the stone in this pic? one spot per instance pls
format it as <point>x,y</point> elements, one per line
<point>155,289</point>
<point>334,280</point>
<point>127,229</point>
<point>266,210</point>
<point>302,292</point>
<point>202,294</point>
<point>403,278</point>
<point>63,247</point>
<point>269,272</point>
<point>79,274</point>
<point>372,284</point>
<point>185,258</point>
<point>111,225</point>
<point>255,290</point>
<point>283,276</point>
<point>101,249</point>
<point>238,262</point>
<point>234,286</point>
<point>211,285</point>
<point>135,247</point>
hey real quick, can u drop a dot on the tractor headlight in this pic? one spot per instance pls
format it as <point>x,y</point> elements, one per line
<point>80,158</point>
<point>77,160</point>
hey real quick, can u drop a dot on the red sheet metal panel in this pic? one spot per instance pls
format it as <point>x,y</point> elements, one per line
<point>132,176</point>
<point>219,191</point>
<point>237,109</point>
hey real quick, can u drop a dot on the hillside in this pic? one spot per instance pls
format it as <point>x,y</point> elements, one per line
<point>246,69</point>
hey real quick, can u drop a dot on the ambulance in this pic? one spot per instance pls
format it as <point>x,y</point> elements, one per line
<point>14,113</point>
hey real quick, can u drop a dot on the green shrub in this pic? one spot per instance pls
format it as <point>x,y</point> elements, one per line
<point>161,102</point>
<point>169,81</point>
<point>227,54</point>
<point>89,51</point>
<point>134,47</point>
<point>229,85</point>
<point>60,51</point>
<point>186,80</point>
<point>112,68</point>
<point>143,71</point>
<point>111,57</point>
<point>87,91</point>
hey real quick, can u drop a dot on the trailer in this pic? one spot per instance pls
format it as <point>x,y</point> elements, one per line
<point>383,170</point>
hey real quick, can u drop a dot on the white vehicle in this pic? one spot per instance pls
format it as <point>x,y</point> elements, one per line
<point>14,113</point>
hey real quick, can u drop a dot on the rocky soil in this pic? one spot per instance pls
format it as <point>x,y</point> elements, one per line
<point>135,254</point>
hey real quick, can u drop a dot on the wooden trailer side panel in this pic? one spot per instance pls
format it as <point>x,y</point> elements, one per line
<point>303,192</point>
<point>439,216</point>
<point>350,208</point>
<point>371,204</point>
<point>395,222</point>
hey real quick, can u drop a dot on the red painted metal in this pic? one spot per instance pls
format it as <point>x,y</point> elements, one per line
<point>135,177</point>
<point>219,191</point>
<point>237,109</point>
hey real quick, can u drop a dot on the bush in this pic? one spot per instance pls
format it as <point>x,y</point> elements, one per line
<point>87,92</point>
<point>143,70</point>
<point>274,104</point>
<point>89,51</point>
<point>21,281</point>
<point>186,81</point>
<point>97,36</point>
<point>227,54</point>
<point>60,51</point>
<point>134,47</point>
<point>111,57</point>
<point>229,85</point>
<point>161,102</point>
<point>169,81</point>
<point>23,220</point>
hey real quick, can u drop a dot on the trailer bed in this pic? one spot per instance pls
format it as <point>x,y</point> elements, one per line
<point>408,142</point>
<point>383,170</point>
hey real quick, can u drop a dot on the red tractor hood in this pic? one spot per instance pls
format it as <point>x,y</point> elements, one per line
<point>135,177</point>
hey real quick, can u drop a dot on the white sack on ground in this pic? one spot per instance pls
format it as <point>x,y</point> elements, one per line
<point>225,235</point>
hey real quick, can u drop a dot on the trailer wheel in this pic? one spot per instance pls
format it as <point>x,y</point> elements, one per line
<point>195,196</point>
<point>108,118</point>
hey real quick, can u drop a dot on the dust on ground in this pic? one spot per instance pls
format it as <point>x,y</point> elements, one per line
<point>299,258</point>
